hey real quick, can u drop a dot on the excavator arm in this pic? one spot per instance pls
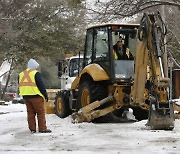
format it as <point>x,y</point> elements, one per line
<point>149,73</point>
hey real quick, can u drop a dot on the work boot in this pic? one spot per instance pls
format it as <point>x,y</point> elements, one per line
<point>45,131</point>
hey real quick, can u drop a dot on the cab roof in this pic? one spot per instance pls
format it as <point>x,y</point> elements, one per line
<point>110,25</point>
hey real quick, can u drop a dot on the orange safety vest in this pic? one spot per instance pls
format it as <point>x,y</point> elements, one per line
<point>27,84</point>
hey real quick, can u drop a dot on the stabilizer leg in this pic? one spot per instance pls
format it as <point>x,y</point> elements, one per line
<point>89,112</point>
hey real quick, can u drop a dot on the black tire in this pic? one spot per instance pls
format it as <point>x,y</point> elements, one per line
<point>62,108</point>
<point>97,91</point>
<point>119,112</point>
<point>140,114</point>
<point>90,91</point>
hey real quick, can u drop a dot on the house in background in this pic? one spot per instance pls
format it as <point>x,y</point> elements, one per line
<point>4,69</point>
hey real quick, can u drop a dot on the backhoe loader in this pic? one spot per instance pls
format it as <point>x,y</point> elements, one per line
<point>107,85</point>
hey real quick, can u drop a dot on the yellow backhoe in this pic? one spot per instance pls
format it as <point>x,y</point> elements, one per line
<point>107,85</point>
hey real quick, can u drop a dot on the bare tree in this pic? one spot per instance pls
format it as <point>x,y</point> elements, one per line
<point>113,10</point>
<point>37,28</point>
<point>117,8</point>
<point>34,28</point>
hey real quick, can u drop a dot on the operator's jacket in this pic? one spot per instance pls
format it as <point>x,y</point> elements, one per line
<point>125,56</point>
<point>31,84</point>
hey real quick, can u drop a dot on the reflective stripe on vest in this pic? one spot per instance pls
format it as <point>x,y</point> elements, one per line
<point>115,55</point>
<point>27,84</point>
<point>26,80</point>
<point>127,53</point>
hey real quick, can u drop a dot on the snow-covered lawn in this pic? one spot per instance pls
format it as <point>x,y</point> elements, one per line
<point>84,138</point>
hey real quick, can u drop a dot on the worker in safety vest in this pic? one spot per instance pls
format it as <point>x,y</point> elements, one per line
<point>32,88</point>
<point>121,53</point>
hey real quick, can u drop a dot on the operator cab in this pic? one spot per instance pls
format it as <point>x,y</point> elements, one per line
<point>100,41</point>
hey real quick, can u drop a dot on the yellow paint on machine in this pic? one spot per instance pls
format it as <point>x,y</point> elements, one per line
<point>95,71</point>
<point>49,106</point>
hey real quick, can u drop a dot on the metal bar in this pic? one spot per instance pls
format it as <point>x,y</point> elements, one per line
<point>95,104</point>
<point>170,83</point>
<point>161,67</point>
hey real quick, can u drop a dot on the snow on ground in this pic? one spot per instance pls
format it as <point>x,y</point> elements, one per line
<point>84,138</point>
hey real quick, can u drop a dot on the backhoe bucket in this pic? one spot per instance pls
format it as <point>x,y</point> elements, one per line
<point>161,116</point>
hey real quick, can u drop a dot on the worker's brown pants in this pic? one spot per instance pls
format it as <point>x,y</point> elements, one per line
<point>35,106</point>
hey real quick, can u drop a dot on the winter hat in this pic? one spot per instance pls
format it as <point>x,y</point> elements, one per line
<point>32,64</point>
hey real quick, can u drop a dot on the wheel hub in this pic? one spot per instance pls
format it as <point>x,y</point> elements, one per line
<point>59,104</point>
<point>85,98</point>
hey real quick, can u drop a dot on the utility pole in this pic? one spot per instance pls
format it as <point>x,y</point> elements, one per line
<point>167,63</point>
